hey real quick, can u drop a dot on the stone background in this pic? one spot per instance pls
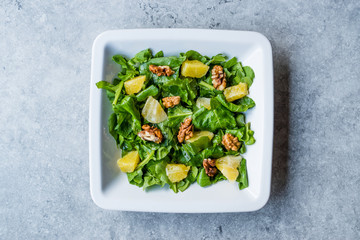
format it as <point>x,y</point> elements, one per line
<point>45,54</point>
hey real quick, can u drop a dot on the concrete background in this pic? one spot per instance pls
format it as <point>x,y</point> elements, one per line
<point>45,52</point>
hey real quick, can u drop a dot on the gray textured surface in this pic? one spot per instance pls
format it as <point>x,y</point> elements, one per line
<point>45,49</point>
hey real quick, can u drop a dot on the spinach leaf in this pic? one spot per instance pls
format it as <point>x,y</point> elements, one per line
<point>223,117</point>
<point>185,183</point>
<point>142,56</point>
<point>127,108</point>
<point>236,80</point>
<point>240,120</point>
<point>194,55</point>
<point>159,54</point>
<point>236,73</point>
<point>217,139</point>
<point>184,88</point>
<point>204,180</point>
<point>144,94</point>
<point>172,62</point>
<point>207,90</point>
<point>169,134</point>
<point>242,148</point>
<point>156,174</point>
<point>136,178</point>
<point>248,137</point>
<point>239,133</point>
<point>242,105</point>
<point>217,59</point>
<point>249,72</point>
<point>230,62</point>
<point>242,178</point>
<point>214,119</point>
<point>190,155</point>
<point>212,152</point>
<point>162,152</point>
<point>176,115</point>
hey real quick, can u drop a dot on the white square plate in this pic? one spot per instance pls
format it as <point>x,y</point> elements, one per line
<point>110,188</point>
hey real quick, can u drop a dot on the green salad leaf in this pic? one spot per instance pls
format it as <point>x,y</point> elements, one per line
<point>214,119</point>
<point>211,120</point>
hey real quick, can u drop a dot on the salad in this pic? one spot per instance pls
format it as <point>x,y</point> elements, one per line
<point>180,119</point>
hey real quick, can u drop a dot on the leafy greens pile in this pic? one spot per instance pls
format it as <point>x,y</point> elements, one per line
<point>223,117</point>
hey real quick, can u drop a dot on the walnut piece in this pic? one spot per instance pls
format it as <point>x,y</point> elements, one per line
<point>170,102</point>
<point>209,166</point>
<point>231,142</point>
<point>152,134</point>
<point>186,130</point>
<point>161,70</point>
<point>218,77</point>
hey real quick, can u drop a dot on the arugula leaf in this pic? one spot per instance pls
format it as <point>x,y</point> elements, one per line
<point>105,85</point>
<point>112,122</point>
<point>115,90</point>
<point>128,71</point>
<point>146,160</point>
<point>118,92</point>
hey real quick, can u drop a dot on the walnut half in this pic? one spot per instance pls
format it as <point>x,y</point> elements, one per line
<point>186,130</point>
<point>152,134</point>
<point>231,142</point>
<point>218,77</point>
<point>170,102</point>
<point>161,70</point>
<point>209,166</point>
